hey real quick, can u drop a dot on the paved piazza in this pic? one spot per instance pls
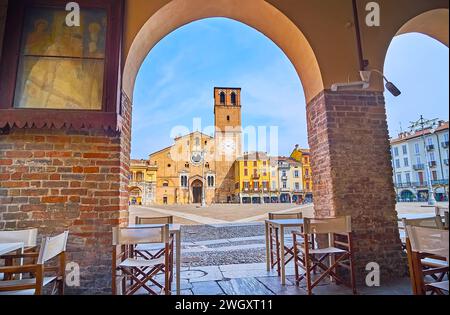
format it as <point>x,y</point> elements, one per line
<point>223,249</point>
<point>244,213</point>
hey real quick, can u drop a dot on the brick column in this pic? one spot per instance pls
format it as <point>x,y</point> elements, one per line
<point>58,180</point>
<point>352,174</point>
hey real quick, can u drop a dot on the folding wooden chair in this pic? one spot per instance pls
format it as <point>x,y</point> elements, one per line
<point>427,243</point>
<point>433,222</point>
<point>442,214</point>
<point>28,237</point>
<point>51,247</point>
<point>151,251</point>
<point>432,267</point>
<point>141,271</point>
<point>274,244</point>
<point>339,252</point>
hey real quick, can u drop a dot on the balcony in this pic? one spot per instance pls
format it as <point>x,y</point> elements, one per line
<point>256,176</point>
<point>444,144</point>
<point>284,177</point>
<point>418,167</point>
<point>432,164</point>
<point>441,182</point>
<point>430,147</point>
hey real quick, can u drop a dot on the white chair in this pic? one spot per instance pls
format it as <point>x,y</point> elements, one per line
<point>28,237</point>
<point>426,242</point>
<point>151,251</point>
<point>51,247</point>
<point>141,271</point>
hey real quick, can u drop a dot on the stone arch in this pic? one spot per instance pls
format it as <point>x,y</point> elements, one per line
<point>433,23</point>
<point>269,21</point>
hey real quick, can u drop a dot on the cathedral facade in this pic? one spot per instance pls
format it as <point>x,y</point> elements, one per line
<point>199,168</point>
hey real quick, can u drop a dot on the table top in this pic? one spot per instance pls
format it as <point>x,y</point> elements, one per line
<point>410,216</point>
<point>174,228</point>
<point>286,222</point>
<point>6,248</point>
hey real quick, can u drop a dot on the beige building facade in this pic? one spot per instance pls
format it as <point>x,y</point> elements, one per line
<point>198,167</point>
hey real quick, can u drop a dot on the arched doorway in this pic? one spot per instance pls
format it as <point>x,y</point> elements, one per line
<point>197,191</point>
<point>135,196</point>
<point>407,195</point>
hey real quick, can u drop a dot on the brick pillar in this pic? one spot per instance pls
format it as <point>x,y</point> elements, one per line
<point>59,180</point>
<point>351,164</point>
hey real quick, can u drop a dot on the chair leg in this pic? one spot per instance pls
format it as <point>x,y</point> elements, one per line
<point>271,246</point>
<point>308,275</point>
<point>352,274</point>
<point>278,249</point>
<point>294,241</point>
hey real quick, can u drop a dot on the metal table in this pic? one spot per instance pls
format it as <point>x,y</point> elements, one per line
<point>281,225</point>
<point>174,229</point>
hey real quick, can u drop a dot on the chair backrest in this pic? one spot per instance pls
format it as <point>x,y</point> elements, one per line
<point>133,236</point>
<point>428,241</point>
<point>328,225</point>
<point>283,216</point>
<point>432,222</point>
<point>442,214</point>
<point>154,220</point>
<point>27,237</point>
<point>52,247</point>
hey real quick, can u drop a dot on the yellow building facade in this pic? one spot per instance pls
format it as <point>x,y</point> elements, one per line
<point>303,156</point>
<point>252,178</point>
<point>142,185</point>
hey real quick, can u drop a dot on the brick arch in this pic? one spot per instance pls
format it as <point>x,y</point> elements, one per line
<point>269,21</point>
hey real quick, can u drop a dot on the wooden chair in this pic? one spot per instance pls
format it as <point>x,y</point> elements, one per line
<point>274,244</point>
<point>433,222</point>
<point>427,242</point>
<point>339,252</point>
<point>28,237</point>
<point>51,247</point>
<point>442,214</point>
<point>151,251</point>
<point>432,267</point>
<point>141,271</point>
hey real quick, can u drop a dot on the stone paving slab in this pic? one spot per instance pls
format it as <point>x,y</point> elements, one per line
<point>244,286</point>
<point>207,288</point>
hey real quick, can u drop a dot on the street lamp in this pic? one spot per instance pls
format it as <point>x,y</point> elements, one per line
<point>204,180</point>
<point>426,124</point>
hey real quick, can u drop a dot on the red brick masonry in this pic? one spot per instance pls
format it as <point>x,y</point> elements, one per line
<point>351,163</point>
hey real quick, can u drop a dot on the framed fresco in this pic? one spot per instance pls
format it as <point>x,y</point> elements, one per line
<point>60,72</point>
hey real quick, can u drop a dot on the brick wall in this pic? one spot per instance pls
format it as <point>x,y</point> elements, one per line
<point>351,164</point>
<point>56,180</point>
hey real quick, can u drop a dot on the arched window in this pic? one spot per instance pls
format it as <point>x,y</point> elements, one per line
<point>233,98</point>
<point>184,181</point>
<point>222,98</point>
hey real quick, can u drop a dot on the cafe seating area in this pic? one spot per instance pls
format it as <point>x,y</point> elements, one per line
<point>301,252</point>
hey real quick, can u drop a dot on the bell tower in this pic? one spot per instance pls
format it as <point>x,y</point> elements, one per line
<point>228,143</point>
<point>227,120</point>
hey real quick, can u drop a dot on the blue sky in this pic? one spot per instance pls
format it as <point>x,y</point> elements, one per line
<point>175,83</point>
